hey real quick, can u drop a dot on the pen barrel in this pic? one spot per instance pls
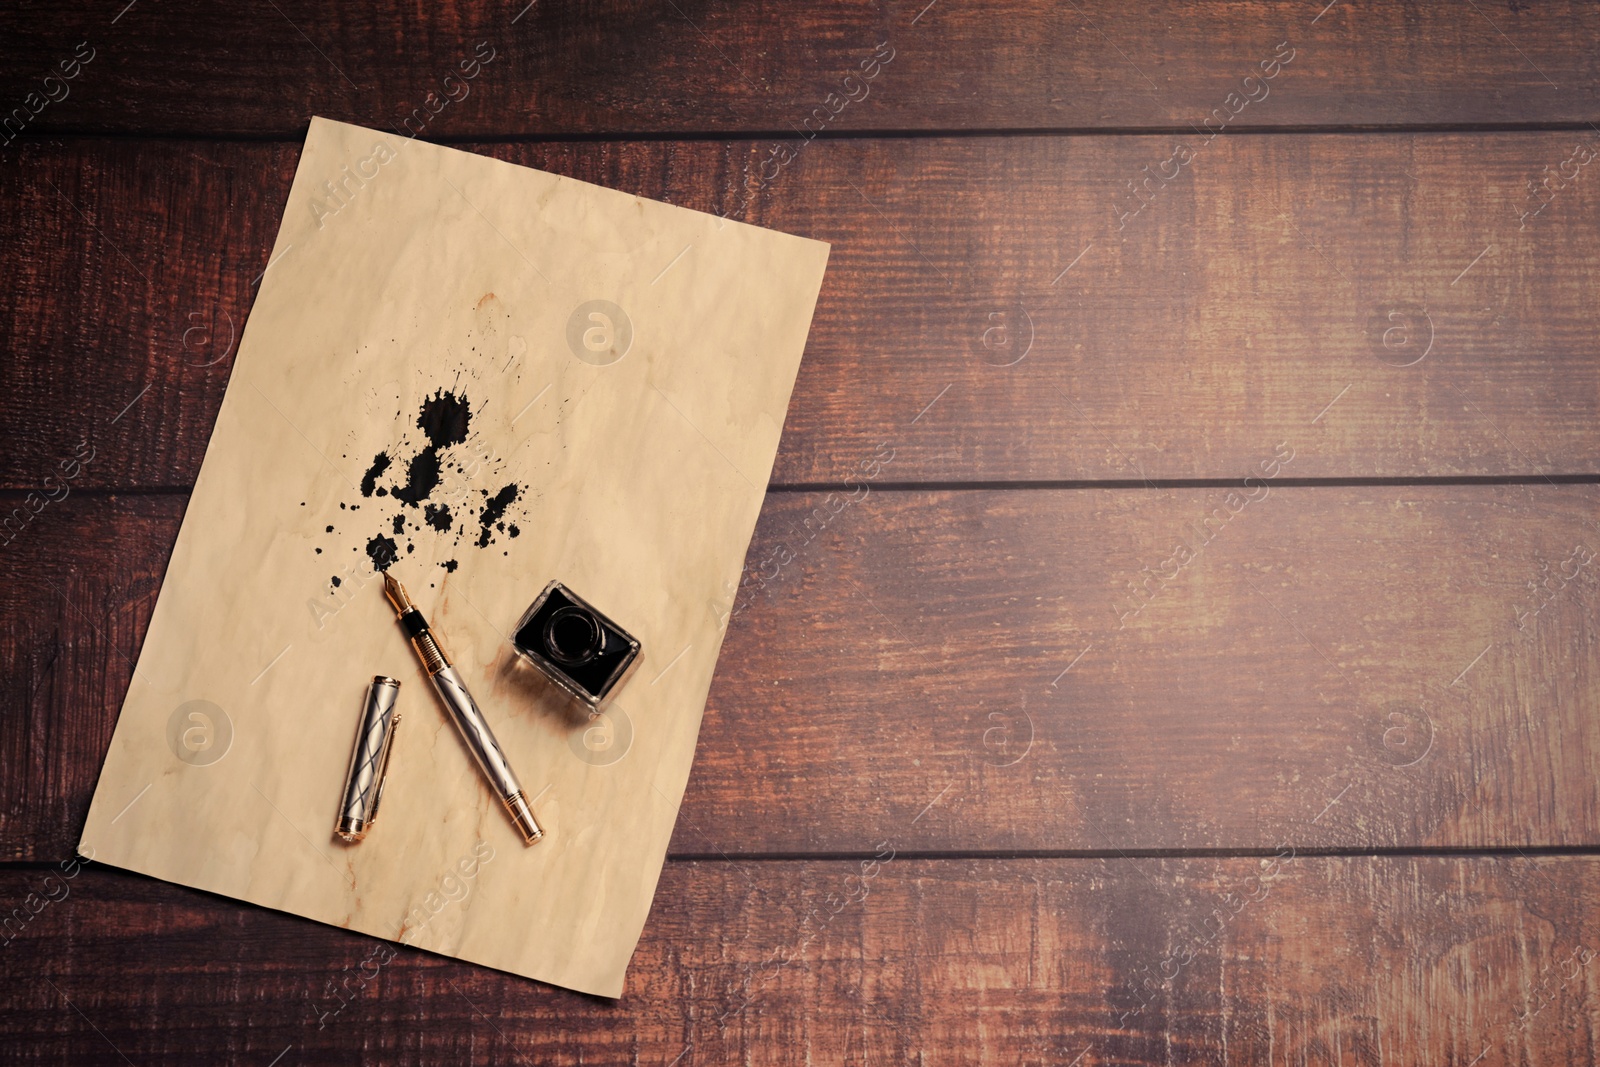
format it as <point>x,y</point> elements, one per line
<point>463,711</point>
<point>476,733</point>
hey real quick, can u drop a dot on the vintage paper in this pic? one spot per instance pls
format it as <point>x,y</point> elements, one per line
<point>425,340</point>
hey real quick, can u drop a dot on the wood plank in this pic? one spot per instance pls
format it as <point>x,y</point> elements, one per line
<point>724,67</point>
<point>1295,959</point>
<point>1025,670</point>
<point>1270,293</point>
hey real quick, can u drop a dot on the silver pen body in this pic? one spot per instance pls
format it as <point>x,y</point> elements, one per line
<point>463,711</point>
<point>475,732</point>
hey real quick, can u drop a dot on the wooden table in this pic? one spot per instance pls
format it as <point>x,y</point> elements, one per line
<point>1209,673</point>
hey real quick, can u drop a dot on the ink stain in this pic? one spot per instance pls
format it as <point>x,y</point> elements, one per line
<point>494,510</point>
<point>433,467</point>
<point>369,481</point>
<point>383,553</point>
<point>444,419</point>
<point>422,477</point>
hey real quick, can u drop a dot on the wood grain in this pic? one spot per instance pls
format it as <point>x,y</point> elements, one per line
<point>264,70</point>
<point>971,681</point>
<point>1291,959</point>
<point>1011,671</point>
<point>1269,293</point>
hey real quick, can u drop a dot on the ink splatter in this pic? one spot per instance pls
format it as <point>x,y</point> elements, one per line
<point>380,463</point>
<point>445,418</point>
<point>383,553</point>
<point>422,477</point>
<point>493,510</point>
<point>434,464</point>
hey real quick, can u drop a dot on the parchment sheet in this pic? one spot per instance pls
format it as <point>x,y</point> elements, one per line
<point>423,366</point>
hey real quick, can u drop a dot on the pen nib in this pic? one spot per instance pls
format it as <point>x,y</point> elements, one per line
<point>396,594</point>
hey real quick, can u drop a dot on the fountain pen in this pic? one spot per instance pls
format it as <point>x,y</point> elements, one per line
<point>463,711</point>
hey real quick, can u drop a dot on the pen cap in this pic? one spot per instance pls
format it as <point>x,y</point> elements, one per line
<point>369,761</point>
